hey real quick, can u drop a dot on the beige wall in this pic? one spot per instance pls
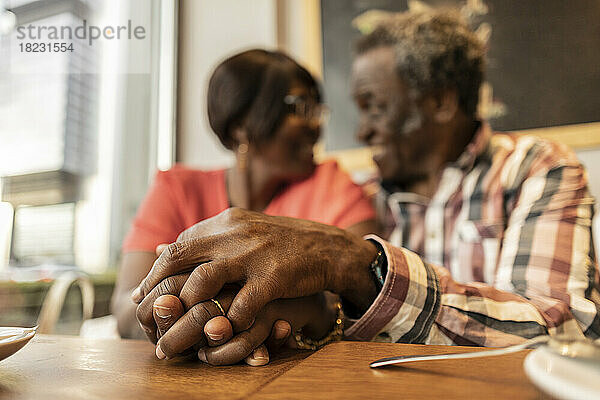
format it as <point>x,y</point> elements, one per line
<point>210,31</point>
<point>299,32</point>
<point>591,159</point>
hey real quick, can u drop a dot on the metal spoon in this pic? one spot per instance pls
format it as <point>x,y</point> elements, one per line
<point>564,345</point>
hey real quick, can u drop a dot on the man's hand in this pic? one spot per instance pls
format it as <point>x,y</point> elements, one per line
<point>271,257</point>
<point>315,315</point>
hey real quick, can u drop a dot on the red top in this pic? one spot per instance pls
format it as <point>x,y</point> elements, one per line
<point>181,197</point>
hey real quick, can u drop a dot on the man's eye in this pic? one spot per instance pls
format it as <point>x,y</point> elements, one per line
<point>376,110</point>
<point>380,108</point>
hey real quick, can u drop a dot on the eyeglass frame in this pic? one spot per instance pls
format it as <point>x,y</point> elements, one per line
<point>312,112</point>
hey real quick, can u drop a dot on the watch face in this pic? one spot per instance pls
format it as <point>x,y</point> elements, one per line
<point>378,266</point>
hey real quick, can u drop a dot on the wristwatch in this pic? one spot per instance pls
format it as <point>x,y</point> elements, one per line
<point>378,266</point>
<point>378,271</point>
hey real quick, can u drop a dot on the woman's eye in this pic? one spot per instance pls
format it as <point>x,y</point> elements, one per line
<point>362,105</point>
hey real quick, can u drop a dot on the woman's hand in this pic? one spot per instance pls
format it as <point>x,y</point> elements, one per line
<point>206,329</point>
<point>217,330</point>
<point>314,315</point>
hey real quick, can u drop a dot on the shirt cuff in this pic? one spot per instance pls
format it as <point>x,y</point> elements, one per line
<point>408,303</point>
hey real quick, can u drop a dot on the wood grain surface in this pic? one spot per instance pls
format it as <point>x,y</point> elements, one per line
<point>62,367</point>
<point>341,371</point>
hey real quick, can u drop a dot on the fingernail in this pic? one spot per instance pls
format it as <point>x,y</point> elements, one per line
<point>202,355</point>
<point>214,337</point>
<point>258,357</point>
<point>136,295</point>
<point>260,354</point>
<point>281,331</point>
<point>159,353</point>
<point>162,311</point>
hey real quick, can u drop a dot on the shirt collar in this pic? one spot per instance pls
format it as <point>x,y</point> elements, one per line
<point>476,148</point>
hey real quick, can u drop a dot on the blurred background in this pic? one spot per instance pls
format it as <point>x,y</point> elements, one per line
<point>82,132</point>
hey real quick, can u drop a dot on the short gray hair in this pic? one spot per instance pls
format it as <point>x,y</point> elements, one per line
<point>435,49</point>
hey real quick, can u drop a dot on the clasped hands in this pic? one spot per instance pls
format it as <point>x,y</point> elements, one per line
<point>268,274</point>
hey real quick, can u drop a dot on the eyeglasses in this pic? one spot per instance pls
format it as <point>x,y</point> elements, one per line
<point>311,111</point>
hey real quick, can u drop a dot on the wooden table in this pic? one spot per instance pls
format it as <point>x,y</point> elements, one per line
<point>61,367</point>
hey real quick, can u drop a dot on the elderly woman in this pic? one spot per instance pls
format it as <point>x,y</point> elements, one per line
<point>267,109</point>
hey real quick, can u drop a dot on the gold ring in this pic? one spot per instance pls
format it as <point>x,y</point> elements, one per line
<point>218,306</point>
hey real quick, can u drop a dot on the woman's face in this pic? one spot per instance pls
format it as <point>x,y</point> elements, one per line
<point>289,154</point>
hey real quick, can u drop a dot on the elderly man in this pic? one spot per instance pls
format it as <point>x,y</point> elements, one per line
<point>489,235</point>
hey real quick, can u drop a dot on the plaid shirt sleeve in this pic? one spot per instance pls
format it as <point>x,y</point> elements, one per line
<point>547,278</point>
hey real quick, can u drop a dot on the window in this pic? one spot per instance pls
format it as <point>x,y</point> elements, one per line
<point>79,129</point>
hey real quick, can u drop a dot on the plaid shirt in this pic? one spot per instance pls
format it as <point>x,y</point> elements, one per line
<point>502,252</point>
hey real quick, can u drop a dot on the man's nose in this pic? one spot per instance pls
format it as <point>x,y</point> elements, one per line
<point>365,133</point>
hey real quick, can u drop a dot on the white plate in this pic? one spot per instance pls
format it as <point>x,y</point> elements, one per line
<point>562,377</point>
<point>13,340</point>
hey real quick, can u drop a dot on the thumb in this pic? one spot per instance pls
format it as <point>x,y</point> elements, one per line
<point>246,305</point>
<point>167,310</point>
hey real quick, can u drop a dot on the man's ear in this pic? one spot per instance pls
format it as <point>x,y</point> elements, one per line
<point>444,105</point>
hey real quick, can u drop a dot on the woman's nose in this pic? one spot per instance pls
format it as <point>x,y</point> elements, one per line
<point>314,130</point>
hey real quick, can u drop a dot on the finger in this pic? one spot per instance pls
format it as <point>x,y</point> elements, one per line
<point>175,258</point>
<point>279,335</point>
<point>218,331</point>
<point>247,303</point>
<point>145,310</point>
<point>259,357</point>
<point>240,346</point>
<point>189,329</point>
<point>167,310</point>
<point>160,248</point>
<point>205,281</point>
